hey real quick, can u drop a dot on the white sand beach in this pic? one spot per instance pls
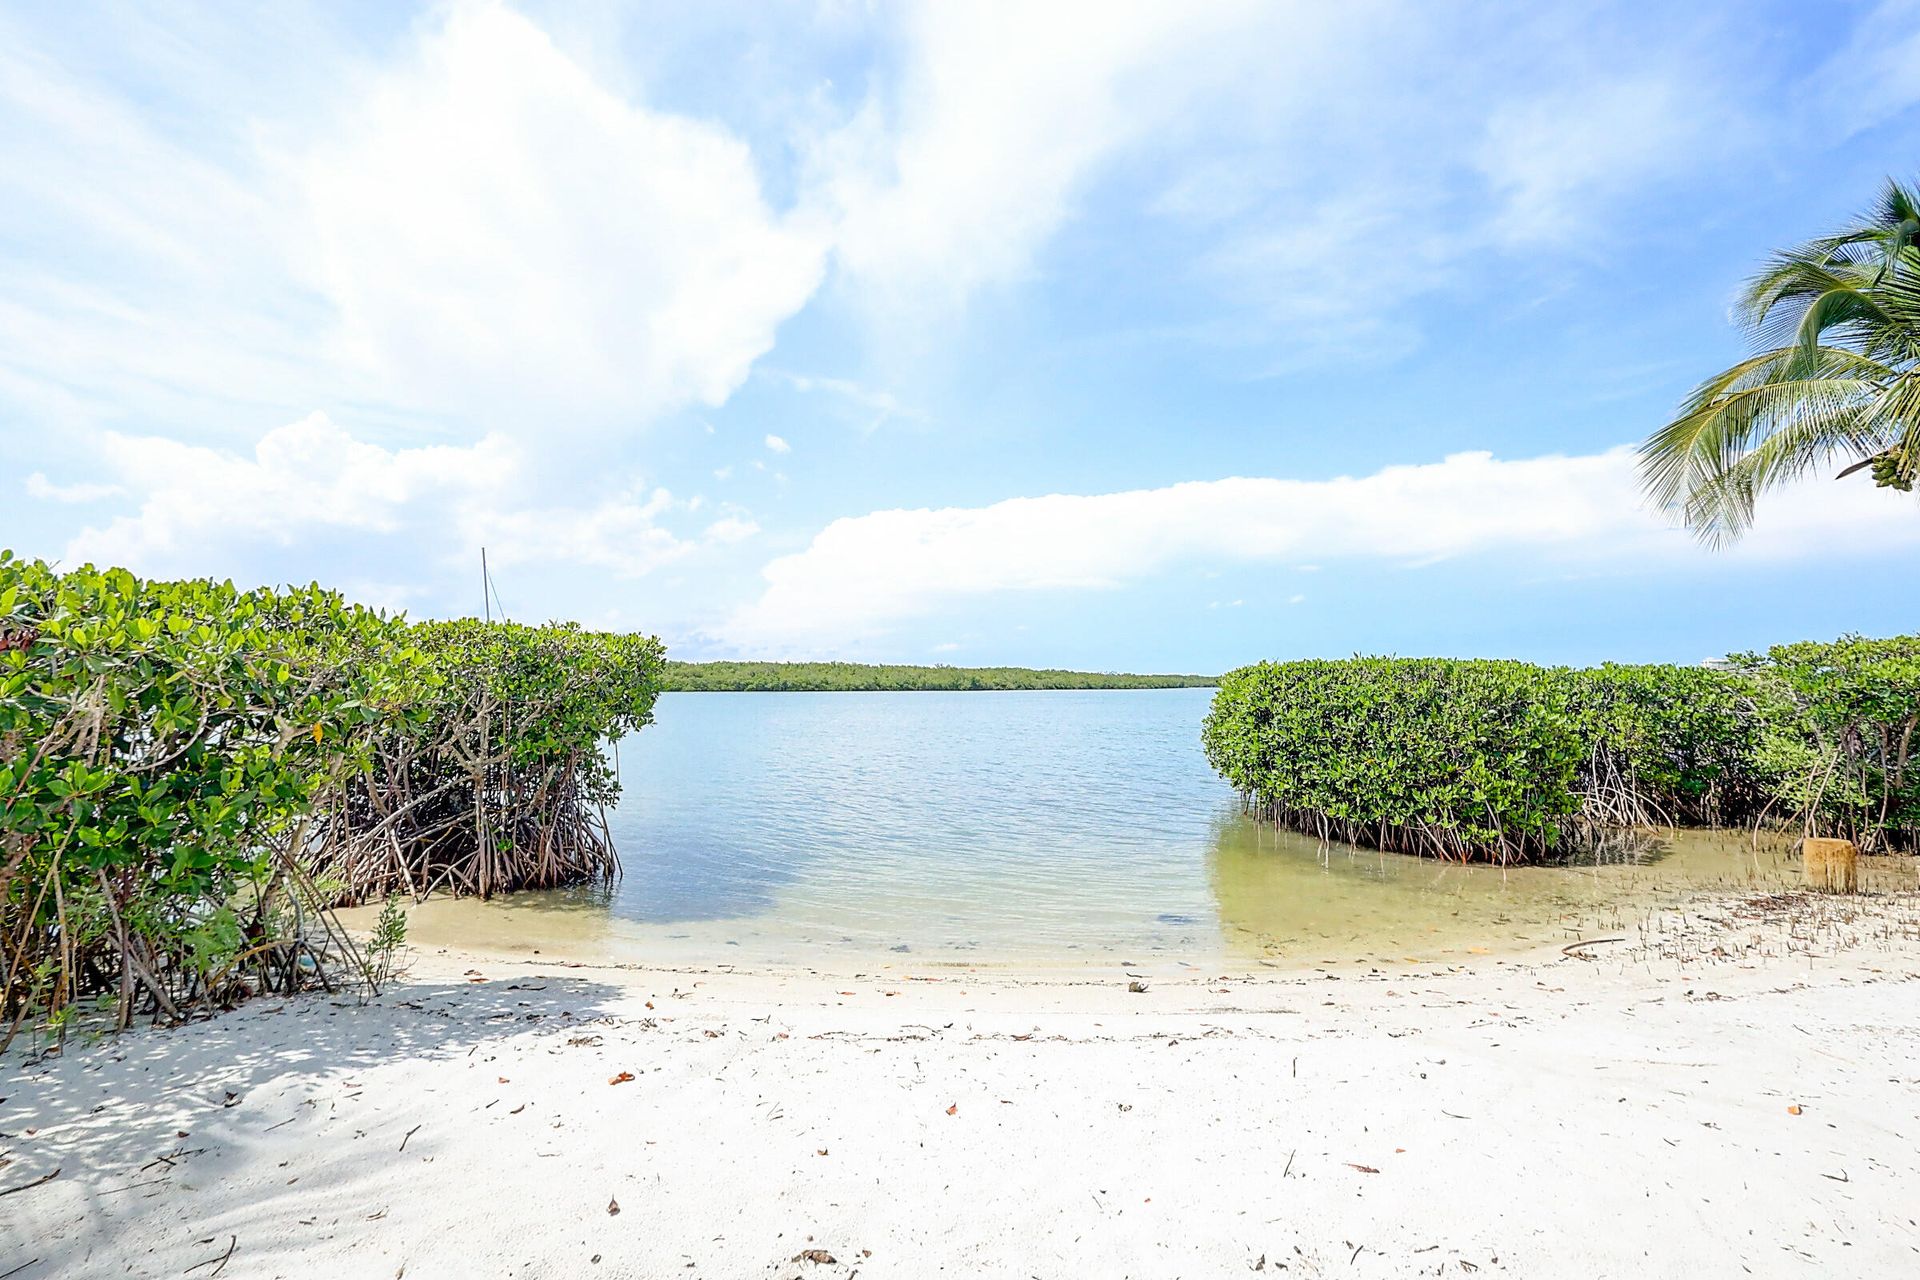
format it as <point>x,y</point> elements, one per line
<point>1741,1098</point>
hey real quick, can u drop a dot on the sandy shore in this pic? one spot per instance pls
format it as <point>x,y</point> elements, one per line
<point>1740,1097</point>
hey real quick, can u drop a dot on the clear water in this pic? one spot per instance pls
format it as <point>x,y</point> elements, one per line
<point>841,830</point>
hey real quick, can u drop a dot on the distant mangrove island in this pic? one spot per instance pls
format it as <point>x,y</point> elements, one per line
<point>850,677</point>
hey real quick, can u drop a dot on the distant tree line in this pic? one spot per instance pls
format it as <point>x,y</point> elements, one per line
<point>801,677</point>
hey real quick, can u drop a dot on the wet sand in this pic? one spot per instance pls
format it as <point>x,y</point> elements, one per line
<point>1735,1092</point>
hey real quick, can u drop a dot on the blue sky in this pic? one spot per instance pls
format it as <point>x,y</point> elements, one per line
<point>1107,336</point>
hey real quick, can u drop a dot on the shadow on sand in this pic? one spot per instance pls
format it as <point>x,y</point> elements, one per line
<point>273,1095</point>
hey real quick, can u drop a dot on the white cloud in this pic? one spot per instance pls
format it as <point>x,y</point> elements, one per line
<point>38,486</point>
<point>862,575</point>
<point>952,175</point>
<point>499,230</point>
<point>474,228</point>
<point>777,445</point>
<point>309,486</point>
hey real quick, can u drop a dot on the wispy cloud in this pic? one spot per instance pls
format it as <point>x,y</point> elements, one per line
<point>38,486</point>
<point>871,406</point>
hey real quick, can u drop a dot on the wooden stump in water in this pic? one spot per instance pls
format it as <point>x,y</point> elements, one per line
<point>1831,865</point>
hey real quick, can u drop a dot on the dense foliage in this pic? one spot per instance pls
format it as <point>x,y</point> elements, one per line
<point>157,740</point>
<point>1664,745</point>
<point>1841,753</point>
<point>797,677</point>
<point>1513,762</point>
<point>1451,759</point>
<point>496,778</point>
<point>1835,376</point>
<point>190,771</point>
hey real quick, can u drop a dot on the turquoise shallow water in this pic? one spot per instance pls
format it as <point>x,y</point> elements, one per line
<point>1018,828</point>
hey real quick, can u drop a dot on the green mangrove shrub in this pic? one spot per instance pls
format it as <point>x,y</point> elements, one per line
<point>499,778</point>
<point>1509,761</point>
<point>1666,745</point>
<point>191,773</point>
<point>1838,750</point>
<point>1449,759</point>
<point>158,741</point>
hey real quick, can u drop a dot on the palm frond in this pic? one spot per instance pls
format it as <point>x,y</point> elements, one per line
<point>1837,319</point>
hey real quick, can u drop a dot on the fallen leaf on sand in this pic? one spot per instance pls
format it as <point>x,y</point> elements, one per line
<point>613,1207</point>
<point>503,1080</point>
<point>954,1110</point>
<point>622,1078</point>
<point>1138,988</point>
<point>1364,1168</point>
<point>820,1256</point>
<point>822,1151</point>
<point>1794,1110</point>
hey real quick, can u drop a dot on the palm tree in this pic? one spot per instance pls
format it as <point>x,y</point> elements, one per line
<point>1837,324</point>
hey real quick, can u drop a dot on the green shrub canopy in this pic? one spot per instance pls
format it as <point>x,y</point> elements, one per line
<point>497,779</point>
<point>180,760</point>
<point>1513,762</point>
